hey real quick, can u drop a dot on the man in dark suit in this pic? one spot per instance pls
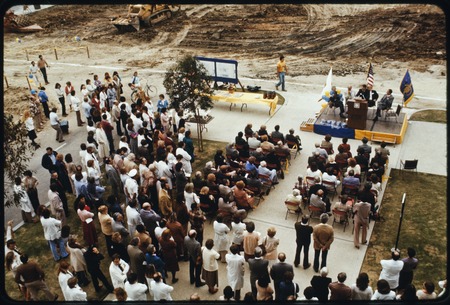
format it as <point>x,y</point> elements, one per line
<point>320,284</point>
<point>277,273</point>
<point>258,270</point>
<point>373,96</point>
<point>137,257</point>
<point>49,160</point>
<point>195,256</point>
<point>303,231</point>
<point>338,290</point>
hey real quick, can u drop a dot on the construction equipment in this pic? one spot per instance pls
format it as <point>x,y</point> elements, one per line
<point>19,23</point>
<point>144,15</point>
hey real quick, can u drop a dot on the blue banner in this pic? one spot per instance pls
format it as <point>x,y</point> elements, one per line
<point>407,89</point>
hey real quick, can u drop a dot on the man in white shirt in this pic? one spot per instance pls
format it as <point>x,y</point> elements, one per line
<point>118,271</point>
<point>135,290</point>
<point>86,108</point>
<point>56,124</point>
<point>161,291</point>
<point>186,159</point>
<point>74,292</point>
<point>34,71</point>
<point>391,270</point>
<point>131,186</point>
<point>133,216</point>
<point>52,233</point>
<point>76,103</point>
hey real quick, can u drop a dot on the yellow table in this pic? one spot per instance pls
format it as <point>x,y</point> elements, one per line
<point>245,98</point>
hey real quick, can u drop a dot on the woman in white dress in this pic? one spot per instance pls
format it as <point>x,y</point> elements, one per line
<point>220,237</point>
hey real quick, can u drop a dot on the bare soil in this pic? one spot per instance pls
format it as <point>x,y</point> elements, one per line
<point>312,37</point>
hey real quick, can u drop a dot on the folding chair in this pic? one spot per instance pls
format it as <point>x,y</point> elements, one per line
<point>292,208</point>
<point>331,188</point>
<point>343,217</point>
<point>314,212</point>
<point>409,165</point>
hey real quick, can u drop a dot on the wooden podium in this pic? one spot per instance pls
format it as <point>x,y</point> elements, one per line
<point>357,114</point>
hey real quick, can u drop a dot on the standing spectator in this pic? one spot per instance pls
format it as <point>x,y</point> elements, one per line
<point>137,258</point>
<point>102,140</point>
<point>35,111</point>
<point>238,228</point>
<point>197,220</point>
<point>44,101</point>
<point>162,103</point>
<point>177,232</point>
<point>338,290</point>
<point>93,258</point>
<point>136,291</point>
<point>169,253</point>
<point>52,233</point>
<point>108,128</point>
<point>25,204</point>
<point>409,294</point>
<point>220,237</point>
<point>150,218</point>
<point>383,291</point>
<point>361,289</point>
<point>63,275</point>
<point>235,270</point>
<point>361,211</point>
<point>407,273</point>
<point>323,235</point>
<point>32,276</point>
<point>42,65</point>
<point>77,260</point>
<point>308,295</point>
<point>288,288</point>
<point>264,291</point>
<point>76,103</point>
<point>189,145</point>
<point>121,295</point>
<point>161,291</point>
<point>251,241</point>
<point>320,284</point>
<point>61,99</point>
<point>118,270</point>
<point>277,273</point>
<point>63,174</point>
<point>152,259</point>
<point>271,244</point>
<point>193,248</point>
<point>87,109</point>
<point>144,238</point>
<point>56,205</point>
<point>74,292</point>
<point>281,73</point>
<point>49,160</point>
<point>87,218</point>
<point>118,246</point>
<point>60,188</point>
<point>210,272</point>
<point>303,232</point>
<point>427,291</point>
<point>34,73</point>
<point>258,270</point>
<point>29,125</point>
<point>391,269</point>
<point>115,114</point>
<point>113,177</point>
<point>30,183</point>
<point>133,217</point>
<point>106,225</point>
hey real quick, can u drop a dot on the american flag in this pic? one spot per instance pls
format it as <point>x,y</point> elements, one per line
<point>370,75</point>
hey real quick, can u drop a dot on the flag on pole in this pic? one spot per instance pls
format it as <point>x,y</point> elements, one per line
<point>370,76</point>
<point>407,89</point>
<point>327,86</point>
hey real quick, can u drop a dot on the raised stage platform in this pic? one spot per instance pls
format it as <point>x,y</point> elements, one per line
<point>389,129</point>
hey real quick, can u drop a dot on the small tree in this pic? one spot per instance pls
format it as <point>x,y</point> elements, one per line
<point>17,152</point>
<point>188,86</point>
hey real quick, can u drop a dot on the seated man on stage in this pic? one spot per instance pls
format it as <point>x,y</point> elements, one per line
<point>385,102</point>
<point>337,100</point>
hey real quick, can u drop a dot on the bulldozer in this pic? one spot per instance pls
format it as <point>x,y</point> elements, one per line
<point>143,15</point>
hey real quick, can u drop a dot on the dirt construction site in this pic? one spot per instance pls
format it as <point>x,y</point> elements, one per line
<point>312,37</point>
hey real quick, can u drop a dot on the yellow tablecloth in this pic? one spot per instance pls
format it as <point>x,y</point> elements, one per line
<point>245,98</point>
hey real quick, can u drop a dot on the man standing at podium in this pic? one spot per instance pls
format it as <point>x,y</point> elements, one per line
<point>373,96</point>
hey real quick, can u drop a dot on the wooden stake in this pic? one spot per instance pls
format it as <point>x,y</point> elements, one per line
<point>28,81</point>
<point>87,50</point>
<point>26,52</point>
<point>56,54</point>
<point>6,81</point>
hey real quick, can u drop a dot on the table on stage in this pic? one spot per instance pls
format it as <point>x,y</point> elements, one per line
<point>357,114</point>
<point>245,98</point>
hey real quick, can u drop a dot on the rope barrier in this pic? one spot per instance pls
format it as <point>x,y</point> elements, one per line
<point>55,51</point>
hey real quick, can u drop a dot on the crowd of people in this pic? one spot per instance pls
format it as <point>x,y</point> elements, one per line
<point>157,209</point>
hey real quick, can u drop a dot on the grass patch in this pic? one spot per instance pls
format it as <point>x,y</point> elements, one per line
<point>423,228</point>
<point>434,116</point>
<point>30,237</point>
